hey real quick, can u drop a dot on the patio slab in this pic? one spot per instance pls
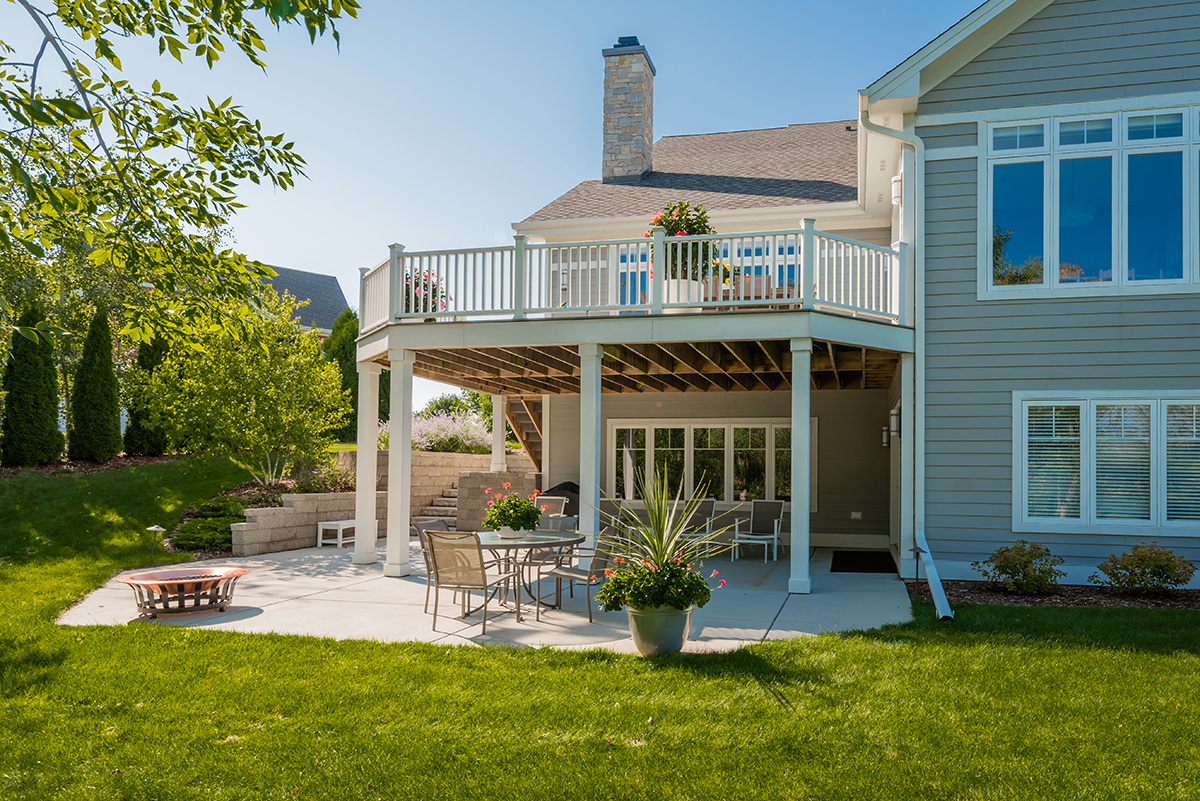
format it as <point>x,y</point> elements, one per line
<point>319,592</point>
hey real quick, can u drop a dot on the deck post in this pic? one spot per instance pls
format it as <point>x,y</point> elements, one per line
<point>590,357</point>
<point>808,261</point>
<point>396,286</point>
<point>519,277</point>
<point>658,258</point>
<point>365,525</point>
<point>901,278</point>
<point>399,486</point>
<point>499,464</point>
<point>800,581</point>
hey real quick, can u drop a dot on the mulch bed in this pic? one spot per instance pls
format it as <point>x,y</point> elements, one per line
<point>982,592</point>
<point>68,466</point>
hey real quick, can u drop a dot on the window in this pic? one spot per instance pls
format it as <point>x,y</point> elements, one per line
<point>729,458</point>
<point>1116,464</point>
<point>1104,201</point>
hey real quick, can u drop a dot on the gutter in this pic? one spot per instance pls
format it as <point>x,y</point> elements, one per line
<point>908,139</point>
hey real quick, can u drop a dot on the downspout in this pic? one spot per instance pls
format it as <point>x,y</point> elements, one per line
<point>913,141</point>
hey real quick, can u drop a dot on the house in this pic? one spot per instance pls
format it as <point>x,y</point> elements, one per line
<point>323,293</point>
<point>983,296</point>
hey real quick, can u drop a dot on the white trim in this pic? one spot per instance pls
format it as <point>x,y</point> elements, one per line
<point>1084,108</point>
<point>1087,522</point>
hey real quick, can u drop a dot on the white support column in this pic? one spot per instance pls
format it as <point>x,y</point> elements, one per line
<point>365,525</point>
<point>399,486</point>
<point>590,357</point>
<point>907,464</point>
<point>499,463</point>
<point>800,580</point>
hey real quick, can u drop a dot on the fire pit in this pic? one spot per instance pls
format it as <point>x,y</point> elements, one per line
<point>191,588</point>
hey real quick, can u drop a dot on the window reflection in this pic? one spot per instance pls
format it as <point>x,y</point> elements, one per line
<point>1155,200</point>
<point>1018,211</point>
<point>1085,220</point>
<point>631,460</point>
<point>708,461</point>
<point>749,463</point>
<point>669,446</point>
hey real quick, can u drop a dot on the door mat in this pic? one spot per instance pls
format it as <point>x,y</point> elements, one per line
<point>862,562</point>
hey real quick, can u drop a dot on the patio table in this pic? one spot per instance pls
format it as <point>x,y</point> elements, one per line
<point>510,548</point>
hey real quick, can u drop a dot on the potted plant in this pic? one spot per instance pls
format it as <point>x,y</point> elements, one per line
<point>690,261</point>
<point>654,573</point>
<point>512,515</point>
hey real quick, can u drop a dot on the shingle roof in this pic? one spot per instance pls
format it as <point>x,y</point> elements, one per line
<point>323,293</point>
<point>799,164</point>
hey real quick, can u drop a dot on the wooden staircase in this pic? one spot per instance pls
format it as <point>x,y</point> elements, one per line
<point>524,414</point>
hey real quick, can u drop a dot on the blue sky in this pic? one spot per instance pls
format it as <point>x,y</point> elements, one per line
<point>437,125</point>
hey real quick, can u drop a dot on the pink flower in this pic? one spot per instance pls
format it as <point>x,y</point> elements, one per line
<point>646,234</point>
<point>490,503</point>
<point>714,574</point>
<point>487,491</point>
<point>506,484</point>
<point>722,583</point>
<point>681,233</point>
<point>545,508</point>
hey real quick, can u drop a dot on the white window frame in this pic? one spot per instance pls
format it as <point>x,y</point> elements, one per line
<point>1088,523</point>
<point>1121,147</point>
<point>728,424</point>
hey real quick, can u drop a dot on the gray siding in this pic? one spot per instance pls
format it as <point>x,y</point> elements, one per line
<point>852,465</point>
<point>1078,50</point>
<point>959,135</point>
<point>978,353</point>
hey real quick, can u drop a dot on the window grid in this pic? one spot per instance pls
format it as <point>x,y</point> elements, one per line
<point>1118,136</point>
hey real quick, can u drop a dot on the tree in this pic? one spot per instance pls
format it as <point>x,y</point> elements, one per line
<point>341,350</point>
<point>137,178</point>
<point>142,438</point>
<point>96,435</point>
<point>269,399</point>
<point>1004,272</point>
<point>30,427</point>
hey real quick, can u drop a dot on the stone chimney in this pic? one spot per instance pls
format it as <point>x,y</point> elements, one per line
<point>628,112</point>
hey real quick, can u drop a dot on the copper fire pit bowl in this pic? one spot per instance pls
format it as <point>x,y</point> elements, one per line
<point>192,588</point>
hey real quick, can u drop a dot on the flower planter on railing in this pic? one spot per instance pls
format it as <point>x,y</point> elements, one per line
<point>772,270</point>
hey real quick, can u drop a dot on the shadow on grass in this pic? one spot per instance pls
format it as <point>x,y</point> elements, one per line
<point>27,663</point>
<point>1156,631</point>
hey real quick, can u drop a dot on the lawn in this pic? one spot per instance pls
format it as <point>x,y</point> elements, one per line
<point>1004,703</point>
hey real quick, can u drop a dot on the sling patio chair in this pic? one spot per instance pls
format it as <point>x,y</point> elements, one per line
<point>436,525</point>
<point>561,569</point>
<point>762,528</point>
<point>458,564</point>
<point>557,505</point>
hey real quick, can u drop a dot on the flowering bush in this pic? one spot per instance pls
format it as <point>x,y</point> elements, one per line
<point>654,558</point>
<point>424,291</point>
<point>1148,567</point>
<point>514,511</point>
<point>691,259</point>
<point>445,433</point>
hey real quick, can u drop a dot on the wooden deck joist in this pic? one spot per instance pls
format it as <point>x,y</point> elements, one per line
<point>732,366</point>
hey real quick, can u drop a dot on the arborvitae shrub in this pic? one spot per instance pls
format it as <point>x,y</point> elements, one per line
<point>30,426</point>
<point>141,438</point>
<point>96,412</point>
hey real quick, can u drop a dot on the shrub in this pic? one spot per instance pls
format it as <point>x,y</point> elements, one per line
<point>95,412</point>
<point>142,438</point>
<point>221,506</point>
<point>328,476</point>
<point>1024,567</point>
<point>445,433</point>
<point>30,427</point>
<point>1144,568</point>
<point>205,534</point>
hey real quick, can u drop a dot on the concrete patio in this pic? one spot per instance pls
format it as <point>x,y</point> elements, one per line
<point>319,592</point>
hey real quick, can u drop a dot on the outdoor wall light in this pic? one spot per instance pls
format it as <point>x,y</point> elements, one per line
<point>894,422</point>
<point>887,437</point>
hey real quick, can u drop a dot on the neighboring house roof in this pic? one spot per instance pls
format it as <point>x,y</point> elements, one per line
<point>323,293</point>
<point>799,164</point>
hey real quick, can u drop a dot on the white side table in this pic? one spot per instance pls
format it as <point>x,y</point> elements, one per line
<point>336,528</point>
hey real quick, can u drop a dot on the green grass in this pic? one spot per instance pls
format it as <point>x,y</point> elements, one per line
<point>1004,703</point>
<point>343,446</point>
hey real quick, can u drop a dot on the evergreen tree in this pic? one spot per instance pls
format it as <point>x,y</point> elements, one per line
<point>340,349</point>
<point>141,437</point>
<point>30,426</point>
<point>96,433</point>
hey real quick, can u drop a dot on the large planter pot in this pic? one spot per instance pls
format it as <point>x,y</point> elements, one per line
<point>659,630</point>
<point>682,290</point>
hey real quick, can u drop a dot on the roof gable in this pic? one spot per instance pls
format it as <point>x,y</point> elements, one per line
<point>323,293</point>
<point>957,46</point>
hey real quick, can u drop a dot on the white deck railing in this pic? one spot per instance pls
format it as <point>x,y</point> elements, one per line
<point>780,270</point>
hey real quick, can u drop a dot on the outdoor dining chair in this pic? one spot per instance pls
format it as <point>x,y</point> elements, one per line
<point>762,528</point>
<point>436,525</point>
<point>700,523</point>
<point>561,569</point>
<point>458,564</point>
<point>557,504</point>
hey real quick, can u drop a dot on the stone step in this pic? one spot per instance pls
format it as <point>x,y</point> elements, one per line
<point>440,511</point>
<point>450,493</point>
<point>444,501</point>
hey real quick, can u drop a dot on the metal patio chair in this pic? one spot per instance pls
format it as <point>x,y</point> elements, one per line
<point>458,564</point>
<point>436,525</point>
<point>761,528</point>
